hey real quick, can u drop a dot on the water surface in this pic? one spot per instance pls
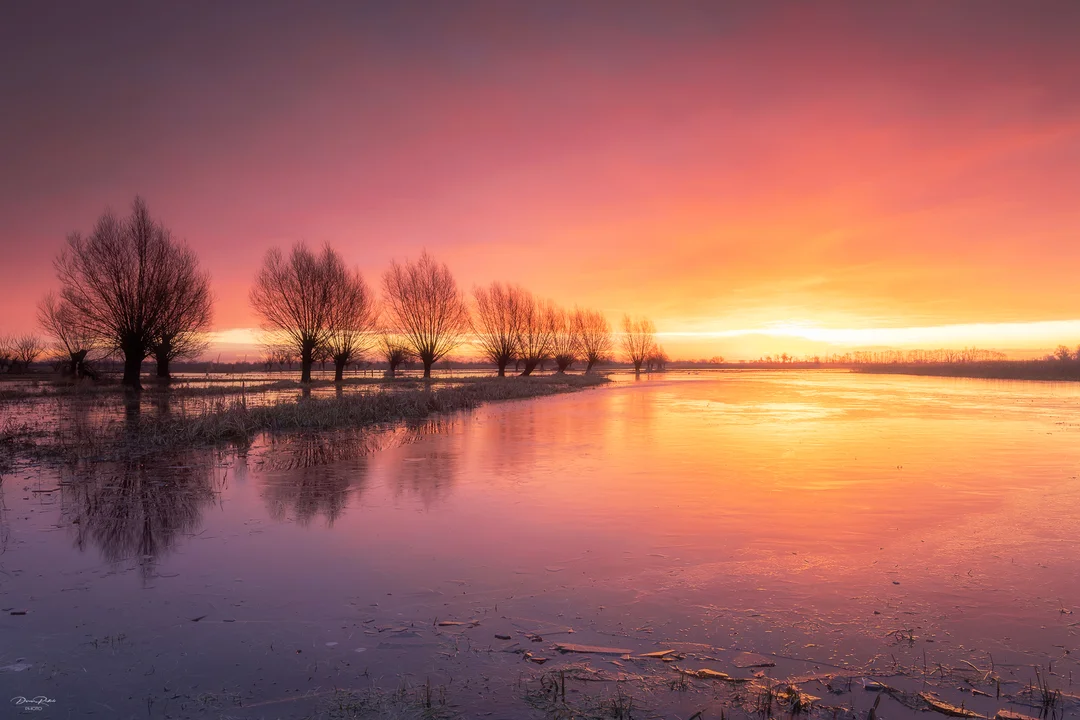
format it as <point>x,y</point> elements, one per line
<point>839,524</point>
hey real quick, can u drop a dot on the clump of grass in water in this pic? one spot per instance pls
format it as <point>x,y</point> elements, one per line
<point>225,421</point>
<point>406,703</point>
<point>1048,699</point>
<point>549,696</point>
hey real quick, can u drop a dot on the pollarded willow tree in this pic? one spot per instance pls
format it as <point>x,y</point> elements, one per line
<point>394,351</point>
<point>59,321</point>
<point>565,341</point>
<point>25,351</point>
<point>182,333</point>
<point>5,352</point>
<point>534,343</point>
<point>426,308</point>
<point>639,340</point>
<point>119,281</point>
<point>497,320</point>
<point>295,298</point>
<point>352,321</point>
<point>594,333</point>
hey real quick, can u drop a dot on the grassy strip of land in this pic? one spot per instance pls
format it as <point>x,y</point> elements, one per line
<point>233,421</point>
<point>1054,370</point>
<point>52,387</point>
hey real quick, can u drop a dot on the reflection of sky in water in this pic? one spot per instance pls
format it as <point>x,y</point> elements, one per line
<point>763,511</point>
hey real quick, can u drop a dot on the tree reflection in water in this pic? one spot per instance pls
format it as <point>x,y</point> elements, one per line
<point>133,510</point>
<point>311,475</point>
<point>428,472</point>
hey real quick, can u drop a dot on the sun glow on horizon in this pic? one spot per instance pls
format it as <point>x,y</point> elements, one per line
<point>1020,339</point>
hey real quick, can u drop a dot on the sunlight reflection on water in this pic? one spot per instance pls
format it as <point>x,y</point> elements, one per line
<point>768,511</point>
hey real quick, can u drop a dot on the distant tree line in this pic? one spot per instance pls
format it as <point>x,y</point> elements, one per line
<point>129,289</point>
<point>886,357</point>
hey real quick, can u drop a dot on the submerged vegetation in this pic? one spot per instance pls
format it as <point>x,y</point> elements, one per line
<point>233,420</point>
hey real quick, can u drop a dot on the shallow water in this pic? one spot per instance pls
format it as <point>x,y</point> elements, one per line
<point>840,524</point>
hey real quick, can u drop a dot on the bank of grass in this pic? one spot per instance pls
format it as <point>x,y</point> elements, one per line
<point>233,421</point>
<point>1050,370</point>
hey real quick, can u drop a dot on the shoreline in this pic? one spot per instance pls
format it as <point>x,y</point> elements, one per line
<point>232,422</point>
<point>1047,371</point>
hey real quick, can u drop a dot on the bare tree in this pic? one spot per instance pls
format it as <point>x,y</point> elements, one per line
<point>497,322</point>
<point>565,341</point>
<point>118,281</point>
<point>657,359</point>
<point>352,320</point>
<point>537,332</point>
<point>425,306</point>
<point>25,350</point>
<point>394,351</point>
<point>295,298</point>
<point>595,334</point>
<point>60,322</point>
<point>639,340</point>
<point>6,352</point>
<point>188,313</point>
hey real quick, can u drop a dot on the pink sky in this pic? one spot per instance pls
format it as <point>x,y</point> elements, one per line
<point>721,168</point>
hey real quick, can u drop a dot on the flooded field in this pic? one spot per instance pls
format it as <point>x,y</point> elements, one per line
<point>753,543</point>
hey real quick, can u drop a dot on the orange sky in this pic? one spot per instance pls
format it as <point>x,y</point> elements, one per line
<point>794,169</point>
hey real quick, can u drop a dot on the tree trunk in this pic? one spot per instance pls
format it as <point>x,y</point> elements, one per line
<point>588,365</point>
<point>502,368</point>
<point>133,357</point>
<point>637,367</point>
<point>427,368</point>
<point>305,364</point>
<point>530,365</point>
<point>76,367</point>
<point>163,366</point>
<point>339,369</point>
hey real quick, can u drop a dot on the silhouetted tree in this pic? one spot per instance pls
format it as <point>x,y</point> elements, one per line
<point>119,280</point>
<point>295,298</point>
<point>639,340</point>
<point>424,305</point>
<point>5,352</point>
<point>25,350</point>
<point>60,322</point>
<point>1063,353</point>
<point>657,359</point>
<point>565,341</point>
<point>394,350</point>
<point>537,332</point>
<point>497,322</point>
<point>188,313</point>
<point>595,336</point>
<point>352,320</point>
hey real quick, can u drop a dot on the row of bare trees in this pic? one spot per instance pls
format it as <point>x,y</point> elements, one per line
<point>313,306</point>
<point>18,352</point>
<point>129,288</point>
<point>511,325</point>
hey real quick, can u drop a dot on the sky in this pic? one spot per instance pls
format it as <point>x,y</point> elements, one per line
<point>755,177</point>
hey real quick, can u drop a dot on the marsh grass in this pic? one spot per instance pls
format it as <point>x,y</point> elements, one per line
<point>424,702</point>
<point>549,695</point>
<point>234,421</point>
